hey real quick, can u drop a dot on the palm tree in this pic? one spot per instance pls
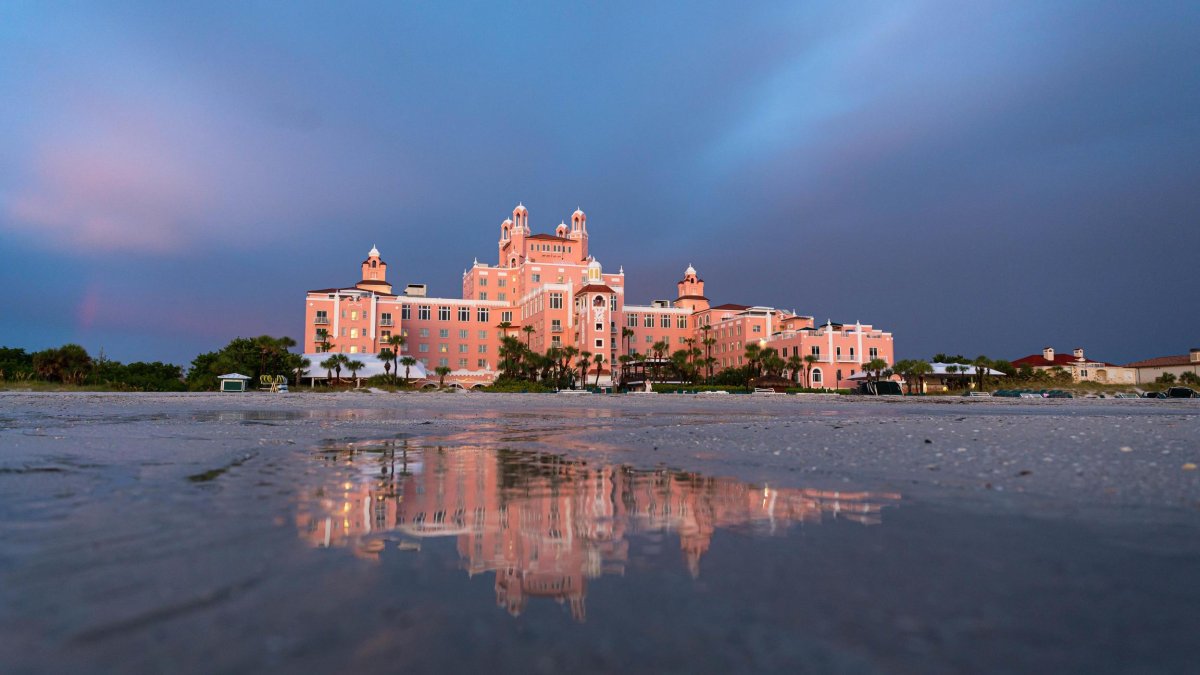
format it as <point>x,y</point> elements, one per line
<point>323,345</point>
<point>753,353</point>
<point>407,362</point>
<point>386,355</point>
<point>951,370</point>
<point>598,359</point>
<point>504,326</point>
<point>396,343</point>
<point>585,358</point>
<point>919,370</point>
<point>442,372</point>
<point>329,364</point>
<point>301,367</point>
<point>354,367</point>
<point>795,364</point>
<point>528,330</point>
<point>626,336</point>
<point>660,350</point>
<point>708,342</point>
<point>981,363</point>
<point>809,360</point>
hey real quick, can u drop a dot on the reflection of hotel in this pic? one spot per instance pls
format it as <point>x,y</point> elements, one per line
<point>545,525</point>
<point>550,284</point>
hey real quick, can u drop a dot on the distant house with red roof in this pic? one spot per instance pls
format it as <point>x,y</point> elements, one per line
<point>1150,370</point>
<point>1080,368</point>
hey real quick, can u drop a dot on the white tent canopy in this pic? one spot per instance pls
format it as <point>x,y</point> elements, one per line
<point>963,369</point>
<point>371,366</point>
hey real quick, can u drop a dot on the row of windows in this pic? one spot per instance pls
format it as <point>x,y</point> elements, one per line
<point>444,348</point>
<point>501,282</point>
<point>424,312</point>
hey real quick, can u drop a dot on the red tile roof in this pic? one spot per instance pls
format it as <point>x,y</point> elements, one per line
<point>549,237</point>
<point>1062,360</point>
<point>732,306</point>
<point>595,288</point>
<point>1162,362</point>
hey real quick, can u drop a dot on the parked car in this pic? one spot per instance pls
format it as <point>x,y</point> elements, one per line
<point>1181,392</point>
<point>1154,394</point>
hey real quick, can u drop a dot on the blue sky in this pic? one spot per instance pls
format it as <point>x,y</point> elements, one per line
<point>976,177</point>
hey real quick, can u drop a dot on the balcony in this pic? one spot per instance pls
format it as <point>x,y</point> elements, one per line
<point>556,329</point>
<point>321,321</point>
<point>387,323</point>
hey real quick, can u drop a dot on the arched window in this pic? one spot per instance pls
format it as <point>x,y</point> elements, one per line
<point>374,263</point>
<point>816,376</point>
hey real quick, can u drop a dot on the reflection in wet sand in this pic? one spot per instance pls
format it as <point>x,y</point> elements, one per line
<point>544,524</point>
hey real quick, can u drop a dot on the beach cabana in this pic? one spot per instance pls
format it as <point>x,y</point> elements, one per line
<point>232,382</point>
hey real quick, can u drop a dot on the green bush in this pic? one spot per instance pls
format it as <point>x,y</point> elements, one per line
<point>513,386</point>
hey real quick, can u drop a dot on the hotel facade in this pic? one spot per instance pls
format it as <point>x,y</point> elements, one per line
<point>550,283</point>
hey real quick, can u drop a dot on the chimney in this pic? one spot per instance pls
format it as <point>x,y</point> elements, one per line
<point>1048,353</point>
<point>1194,355</point>
<point>1079,354</point>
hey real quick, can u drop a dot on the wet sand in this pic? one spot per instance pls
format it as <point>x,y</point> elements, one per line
<point>307,532</point>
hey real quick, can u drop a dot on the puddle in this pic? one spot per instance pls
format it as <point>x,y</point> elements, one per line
<point>544,525</point>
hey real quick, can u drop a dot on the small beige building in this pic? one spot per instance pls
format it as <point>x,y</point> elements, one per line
<point>1150,370</point>
<point>1080,368</point>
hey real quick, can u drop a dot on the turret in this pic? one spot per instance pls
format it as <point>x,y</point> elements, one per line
<point>691,291</point>
<point>374,273</point>
<point>579,232</point>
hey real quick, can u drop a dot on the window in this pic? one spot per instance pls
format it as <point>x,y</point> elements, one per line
<point>405,312</point>
<point>482,315</point>
<point>483,335</point>
<point>353,349</point>
<point>482,349</point>
<point>423,312</point>
<point>443,313</point>
<point>556,340</point>
<point>483,295</point>
<point>649,322</point>
<point>462,363</point>
<point>385,319</point>
<point>463,333</point>
<point>443,332</point>
<point>599,325</point>
<point>506,317</point>
<point>322,317</point>
<point>681,322</point>
<point>649,339</point>
<point>354,315</point>
<point>343,313</point>
<point>612,303</point>
<point>464,313</point>
<point>343,331</point>
<point>502,282</point>
<point>816,376</point>
<point>838,353</point>
<point>424,332</point>
<point>556,300</point>
<point>555,325</point>
<point>816,351</point>
<point>483,281</point>
<point>874,352</point>
<point>353,332</point>
<point>502,296</point>
<point>385,334</point>
<point>482,363</point>
<point>839,375</point>
<point>631,320</point>
<point>682,340</point>
<point>757,328</point>
<point>462,348</point>
<point>443,362</point>
<point>537,278</point>
<point>422,347</point>
<point>599,342</point>
<point>852,354</point>
<point>664,321</point>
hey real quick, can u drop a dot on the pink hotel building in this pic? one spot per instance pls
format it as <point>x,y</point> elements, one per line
<point>549,282</point>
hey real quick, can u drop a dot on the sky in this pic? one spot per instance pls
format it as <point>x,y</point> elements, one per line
<point>977,178</point>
